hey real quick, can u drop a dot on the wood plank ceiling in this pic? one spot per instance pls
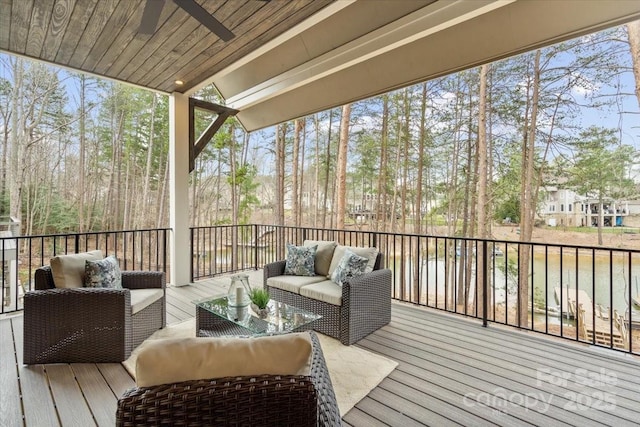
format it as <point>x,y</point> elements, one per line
<point>101,36</point>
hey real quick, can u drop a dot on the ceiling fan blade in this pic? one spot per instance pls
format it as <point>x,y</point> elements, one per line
<point>205,18</point>
<point>150,16</point>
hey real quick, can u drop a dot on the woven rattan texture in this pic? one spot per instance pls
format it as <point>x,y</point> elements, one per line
<point>88,325</point>
<point>268,400</point>
<point>366,303</point>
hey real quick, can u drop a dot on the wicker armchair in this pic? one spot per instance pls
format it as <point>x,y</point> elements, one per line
<point>90,325</point>
<point>268,400</point>
<point>366,303</point>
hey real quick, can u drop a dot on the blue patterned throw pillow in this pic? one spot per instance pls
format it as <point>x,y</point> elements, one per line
<point>351,265</point>
<point>104,273</point>
<point>300,260</point>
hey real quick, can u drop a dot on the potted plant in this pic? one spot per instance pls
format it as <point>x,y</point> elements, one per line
<point>259,299</point>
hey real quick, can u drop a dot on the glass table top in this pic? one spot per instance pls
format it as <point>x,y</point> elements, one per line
<point>281,317</point>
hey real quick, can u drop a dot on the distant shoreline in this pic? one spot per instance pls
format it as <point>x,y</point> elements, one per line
<point>558,235</point>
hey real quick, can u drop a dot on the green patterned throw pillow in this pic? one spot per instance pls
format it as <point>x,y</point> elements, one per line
<point>300,260</point>
<point>104,273</point>
<point>351,265</point>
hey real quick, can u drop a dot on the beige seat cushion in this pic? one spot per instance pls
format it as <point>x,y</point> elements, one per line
<point>338,253</point>
<point>183,359</point>
<point>68,270</point>
<point>142,298</point>
<point>324,254</point>
<point>293,283</point>
<point>327,291</point>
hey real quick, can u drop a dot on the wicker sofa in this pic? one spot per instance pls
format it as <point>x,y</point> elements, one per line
<point>82,325</point>
<point>363,304</point>
<point>266,400</point>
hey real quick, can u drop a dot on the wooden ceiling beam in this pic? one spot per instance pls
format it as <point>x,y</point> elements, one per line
<point>196,146</point>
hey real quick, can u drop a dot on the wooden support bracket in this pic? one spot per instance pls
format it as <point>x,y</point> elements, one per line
<point>196,146</point>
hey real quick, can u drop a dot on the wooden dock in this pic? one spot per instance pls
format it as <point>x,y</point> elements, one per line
<point>582,309</point>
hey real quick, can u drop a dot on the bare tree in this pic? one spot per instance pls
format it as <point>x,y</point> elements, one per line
<point>417,225</point>
<point>316,172</point>
<point>327,171</point>
<point>302,169</point>
<point>16,149</point>
<point>381,196</point>
<point>145,198</point>
<point>528,181</point>
<point>406,137</point>
<point>483,175</point>
<point>341,170</point>
<point>295,161</point>
<point>633,31</point>
<point>281,132</point>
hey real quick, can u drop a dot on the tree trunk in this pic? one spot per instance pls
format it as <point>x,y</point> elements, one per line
<point>464,266</point>
<point>405,160</point>
<point>452,206</point>
<point>16,157</point>
<point>327,171</point>
<point>633,31</point>
<point>600,218</point>
<point>219,185</point>
<point>528,203</point>
<point>381,197</point>
<point>127,199</point>
<point>417,225</point>
<point>162,196</point>
<point>4,166</point>
<point>341,171</point>
<point>281,132</point>
<point>316,172</point>
<point>295,206</point>
<point>82,172</point>
<point>119,158</point>
<point>140,221</point>
<point>233,166</point>
<point>483,174</point>
<point>193,184</point>
<point>301,192</point>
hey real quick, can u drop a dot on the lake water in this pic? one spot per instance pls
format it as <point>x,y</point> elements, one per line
<point>611,277</point>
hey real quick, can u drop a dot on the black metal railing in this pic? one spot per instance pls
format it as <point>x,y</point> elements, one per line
<point>227,249</point>
<point>21,255</point>
<point>576,292</point>
<point>222,249</point>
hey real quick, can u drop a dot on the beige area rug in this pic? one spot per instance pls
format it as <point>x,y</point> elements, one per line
<point>354,372</point>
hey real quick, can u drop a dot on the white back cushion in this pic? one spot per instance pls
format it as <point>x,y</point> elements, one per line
<point>184,359</point>
<point>68,270</point>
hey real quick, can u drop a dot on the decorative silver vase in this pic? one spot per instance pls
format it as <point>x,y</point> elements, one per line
<point>261,312</point>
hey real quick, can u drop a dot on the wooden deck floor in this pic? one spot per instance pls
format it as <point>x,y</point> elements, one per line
<point>451,372</point>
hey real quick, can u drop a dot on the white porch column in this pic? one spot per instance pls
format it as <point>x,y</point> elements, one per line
<point>179,189</point>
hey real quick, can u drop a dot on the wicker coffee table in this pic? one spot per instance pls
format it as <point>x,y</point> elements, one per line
<point>214,317</point>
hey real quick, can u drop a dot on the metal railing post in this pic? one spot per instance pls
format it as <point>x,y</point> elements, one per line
<point>164,251</point>
<point>193,258</point>
<point>485,288</point>
<point>255,246</point>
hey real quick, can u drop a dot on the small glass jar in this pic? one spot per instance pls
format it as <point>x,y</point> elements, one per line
<point>238,295</point>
